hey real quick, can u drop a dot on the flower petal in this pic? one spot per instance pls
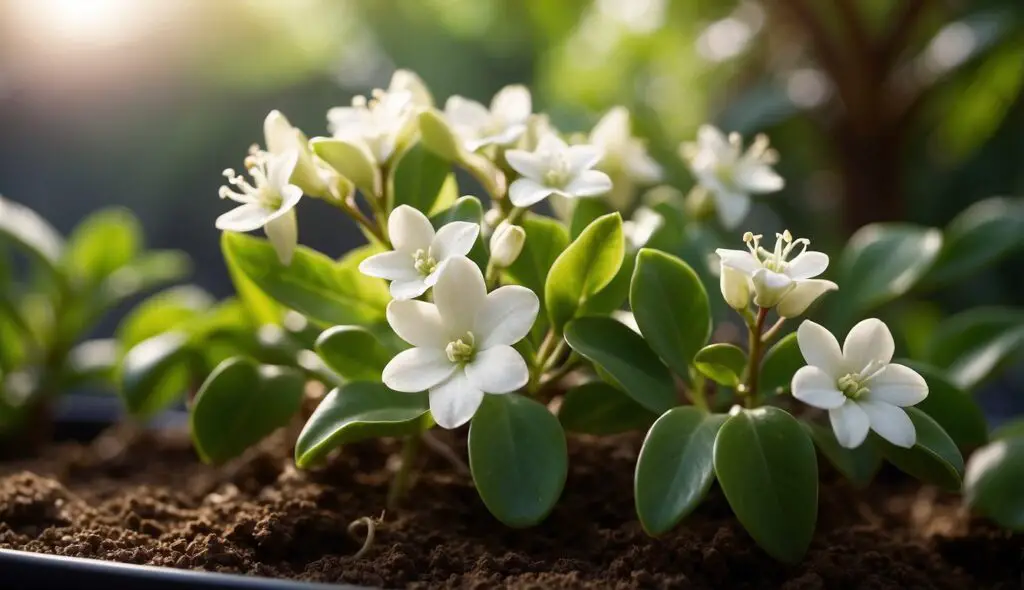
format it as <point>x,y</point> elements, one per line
<point>802,296</point>
<point>460,294</point>
<point>464,112</point>
<point>393,266</point>
<point>409,229</point>
<point>454,239</point>
<point>583,157</point>
<point>244,218</point>
<point>850,424</point>
<point>280,168</point>
<point>817,388</point>
<point>709,137</point>
<point>525,192</point>
<point>735,287</point>
<point>890,422</point>
<point>642,167</point>
<point>417,369</point>
<point>807,265</point>
<point>408,289</point>
<point>506,317</point>
<point>870,340</point>
<point>499,369</point>
<point>820,349</point>
<point>612,129</point>
<point>512,103</point>
<point>732,207</point>
<point>770,287</point>
<point>529,164</point>
<point>418,323</point>
<point>551,143</point>
<point>897,385</point>
<point>453,402</point>
<point>283,232</point>
<point>741,260</point>
<point>757,178</point>
<point>589,183</point>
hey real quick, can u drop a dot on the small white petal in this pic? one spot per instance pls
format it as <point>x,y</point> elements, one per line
<point>417,369</point>
<point>512,103</point>
<point>643,168</point>
<point>807,265</point>
<point>461,111</point>
<point>735,287</point>
<point>802,296</point>
<point>525,192</point>
<point>499,369</point>
<point>506,317</point>
<point>897,385</point>
<point>770,287</point>
<point>409,229</point>
<point>850,424</point>
<point>244,218</point>
<point>709,137</point>
<point>280,168</point>
<point>408,288</point>
<point>278,132</point>
<point>741,260</point>
<point>820,349</point>
<point>817,388</point>
<point>393,266</point>
<point>870,340</point>
<point>612,129</point>
<point>418,323</point>
<point>589,183</point>
<point>757,178</point>
<point>283,233</point>
<point>551,143</point>
<point>732,207</point>
<point>529,164</point>
<point>460,294</point>
<point>890,422</point>
<point>454,402</point>
<point>583,157</point>
<point>454,239</point>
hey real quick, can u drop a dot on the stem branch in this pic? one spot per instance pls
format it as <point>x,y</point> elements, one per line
<point>400,482</point>
<point>756,346</point>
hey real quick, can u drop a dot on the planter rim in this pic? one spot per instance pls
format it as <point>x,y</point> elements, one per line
<point>25,569</point>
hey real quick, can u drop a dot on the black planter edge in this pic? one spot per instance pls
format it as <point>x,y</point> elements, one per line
<point>23,570</point>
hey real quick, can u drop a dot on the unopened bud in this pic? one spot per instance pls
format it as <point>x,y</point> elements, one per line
<point>506,244</point>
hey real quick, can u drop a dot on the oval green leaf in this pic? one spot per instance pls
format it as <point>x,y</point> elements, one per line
<point>993,484</point>
<point>585,212</point>
<point>600,409</point>
<point>954,410</point>
<point>859,465</point>
<point>545,240</point>
<point>424,181</point>
<point>518,458</point>
<point>933,459</point>
<point>1010,429</point>
<point>154,373</point>
<point>980,235</point>
<point>162,312</point>
<point>106,241</point>
<point>28,231</point>
<point>974,345</point>
<point>766,465</point>
<point>781,362</point>
<point>353,353</point>
<point>671,308</point>
<point>583,269</point>
<point>358,411</point>
<point>722,363</point>
<point>624,355</point>
<point>239,404</point>
<point>675,468</point>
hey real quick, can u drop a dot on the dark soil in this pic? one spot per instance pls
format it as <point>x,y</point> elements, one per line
<point>151,502</point>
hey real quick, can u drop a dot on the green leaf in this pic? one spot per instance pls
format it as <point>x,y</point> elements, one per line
<point>358,411</point>
<point>545,240</point>
<point>933,459</point>
<point>615,293</point>
<point>92,362</point>
<point>600,409</point>
<point>882,262</point>
<point>1008,430</point>
<point>260,307</point>
<point>585,267</point>
<point>675,468</point>
<point>154,373</point>
<point>972,346</point>
<point>424,181</point>
<point>627,359</point>
<point>162,312</point>
<point>241,403</point>
<point>313,284</point>
<point>353,353</point>
<point>585,212</point>
<point>518,457</point>
<point>859,465</point>
<point>469,209</point>
<point>781,362</point>
<point>353,160</point>
<point>150,270</point>
<point>979,236</point>
<point>767,468</point>
<point>722,363</point>
<point>28,231</point>
<point>952,408</point>
<point>671,308</point>
<point>103,243</point>
<point>993,485</point>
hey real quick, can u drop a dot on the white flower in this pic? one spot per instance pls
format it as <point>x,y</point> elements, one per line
<point>379,122</point>
<point>506,244</point>
<point>730,174</point>
<point>462,342</point>
<point>502,125</point>
<point>408,81</point>
<point>420,254</point>
<point>640,229</point>
<point>858,385</point>
<point>310,174</point>
<point>776,281</point>
<point>269,204</point>
<point>625,157</point>
<point>555,168</point>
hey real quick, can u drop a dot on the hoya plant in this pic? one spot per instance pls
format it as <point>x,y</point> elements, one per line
<point>594,319</point>
<point>53,292</point>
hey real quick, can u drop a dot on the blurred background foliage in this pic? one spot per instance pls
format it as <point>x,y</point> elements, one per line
<point>882,110</point>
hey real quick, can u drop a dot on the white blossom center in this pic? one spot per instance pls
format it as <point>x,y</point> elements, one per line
<point>423,262</point>
<point>263,193</point>
<point>461,350</point>
<point>778,259</point>
<point>854,385</point>
<point>559,171</point>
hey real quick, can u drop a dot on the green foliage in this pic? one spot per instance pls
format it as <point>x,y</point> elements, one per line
<point>423,181</point>
<point>105,242</point>
<point>780,363</point>
<point>161,313</point>
<point>933,459</point>
<point>518,457</point>
<point>952,408</point>
<point>722,363</point>
<point>858,465</point>
<point>600,409</point>
<point>546,239</point>
<point>586,266</point>
<point>980,235</point>
<point>993,485</point>
<point>973,345</point>
<point>154,373</point>
<point>353,353</point>
<point>26,230</point>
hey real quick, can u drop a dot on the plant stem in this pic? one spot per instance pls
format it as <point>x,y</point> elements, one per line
<point>697,395</point>
<point>770,333</point>
<point>402,479</point>
<point>755,346</point>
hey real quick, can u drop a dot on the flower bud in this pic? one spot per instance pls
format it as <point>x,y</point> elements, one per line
<point>352,159</point>
<point>280,137</point>
<point>770,287</point>
<point>506,244</point>
<point>735,288</point>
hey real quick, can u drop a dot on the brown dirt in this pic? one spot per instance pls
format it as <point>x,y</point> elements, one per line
<point>151,502</point>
